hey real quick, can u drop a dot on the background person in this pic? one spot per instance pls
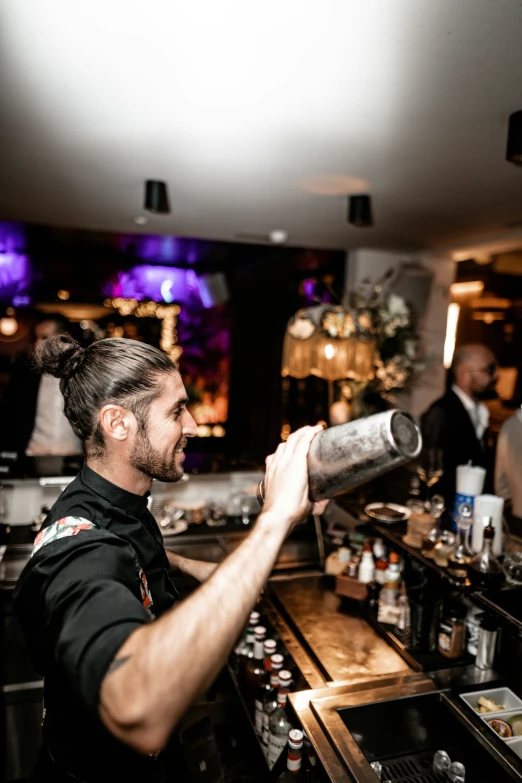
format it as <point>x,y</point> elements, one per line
<point>32,421</point>
<point>457,423</point>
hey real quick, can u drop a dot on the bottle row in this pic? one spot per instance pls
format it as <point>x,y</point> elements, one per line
<point>265,678</point>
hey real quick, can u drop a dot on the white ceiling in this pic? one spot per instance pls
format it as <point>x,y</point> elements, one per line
<point>264,115</point>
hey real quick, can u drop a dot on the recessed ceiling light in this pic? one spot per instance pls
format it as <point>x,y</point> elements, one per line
<point>278,236</point>
<point>141,220</point>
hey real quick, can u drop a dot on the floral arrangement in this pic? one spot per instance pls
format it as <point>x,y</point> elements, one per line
<point>397,355</point>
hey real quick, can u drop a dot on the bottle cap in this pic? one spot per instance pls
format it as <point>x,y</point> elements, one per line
<point>260,632</point>
<point>254,618</point>
<point>285,678</point>
<point>269,646</point>
<point>277,661</point>
<point>394,557</point>
<point>295,739</point>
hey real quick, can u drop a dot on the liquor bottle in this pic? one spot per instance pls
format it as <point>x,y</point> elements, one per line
<point>310,766</point>
<point>293,771</point>
<point>278,723</point>
<point>263,685</point>
<point>245,645</point>
<point>484,569</point>
<point>270,700</point>
<point>254,668</point>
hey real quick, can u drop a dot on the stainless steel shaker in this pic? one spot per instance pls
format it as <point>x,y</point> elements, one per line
<point>487,642</point>
<point>346,456</point>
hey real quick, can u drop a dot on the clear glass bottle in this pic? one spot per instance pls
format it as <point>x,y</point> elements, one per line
<point>403,619</point>
<point>263,685</point>
<point>293,769</point>
<point>245,646</point>
<point>278,724</point>
<point>270,700</point>
<point>485,571</point>
<point>461,554</point>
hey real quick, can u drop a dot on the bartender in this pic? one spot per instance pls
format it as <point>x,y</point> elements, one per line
<point>122,658</point>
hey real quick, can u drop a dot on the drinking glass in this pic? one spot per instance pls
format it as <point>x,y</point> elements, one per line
<point>512,567</point>
<point>457,772</point>
<point>441,761</point>
<point>430,468</point>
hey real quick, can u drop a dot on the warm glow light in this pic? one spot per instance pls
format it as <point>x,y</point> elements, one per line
<point>488,316</point>
<point>218,431</point>
<point>8,326</point>
<point>451,333</point>
<point>204,431</point>
<point>63,295</point>
<point>473,287</point>
<point>329,351</point>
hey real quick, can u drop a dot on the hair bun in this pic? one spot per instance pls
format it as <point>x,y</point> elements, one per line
<point>60,356</point>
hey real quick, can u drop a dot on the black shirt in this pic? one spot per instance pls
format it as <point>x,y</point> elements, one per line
<point>98,571</point>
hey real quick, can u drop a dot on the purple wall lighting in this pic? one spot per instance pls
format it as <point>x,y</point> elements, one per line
<point>159,283</point>
<point>15,267</point>
<point>169,284</point>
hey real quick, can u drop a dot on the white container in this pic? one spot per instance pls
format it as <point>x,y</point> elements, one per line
<point>515,744</point>
<point>470,479</point>
<point>487,506</point>
<point>499,695</point>
<point>504,715</point>
<point>366,568</point>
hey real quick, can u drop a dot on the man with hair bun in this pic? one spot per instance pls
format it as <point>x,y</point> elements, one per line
<point>122,658</point>
<point>457,423</point>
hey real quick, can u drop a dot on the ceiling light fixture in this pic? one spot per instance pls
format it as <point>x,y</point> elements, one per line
<point>141,220</point>
<point>156,197</point>
<point>360,211</point>
<point>278,236</point>
<point>514,141</point>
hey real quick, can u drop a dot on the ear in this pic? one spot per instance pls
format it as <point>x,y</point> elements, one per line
<point>116,422</point>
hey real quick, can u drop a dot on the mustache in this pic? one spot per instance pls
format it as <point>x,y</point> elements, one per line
<point>182,443</point>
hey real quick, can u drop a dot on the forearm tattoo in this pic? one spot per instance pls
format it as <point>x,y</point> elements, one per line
<point>117,663</point>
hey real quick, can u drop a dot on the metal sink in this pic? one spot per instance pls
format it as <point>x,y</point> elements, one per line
<point>402,725</point>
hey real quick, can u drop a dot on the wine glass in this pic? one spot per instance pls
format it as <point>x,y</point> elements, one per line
<point>430,468</point>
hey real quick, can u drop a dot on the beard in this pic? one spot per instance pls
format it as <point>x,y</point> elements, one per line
<point>152,463</point>
<point>489,393</point>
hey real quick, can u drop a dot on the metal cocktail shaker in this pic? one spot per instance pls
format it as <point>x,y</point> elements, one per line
<point>346,456</point>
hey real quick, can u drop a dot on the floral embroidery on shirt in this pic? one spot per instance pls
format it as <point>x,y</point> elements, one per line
<point>67,526</point>
<point>146,597</point>
<point>71,526</point>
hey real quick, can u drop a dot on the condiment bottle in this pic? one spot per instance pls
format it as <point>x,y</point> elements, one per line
<point>367,566</point>
<point>381,566</point>
<point>452,631</point>
<point>392,576</point>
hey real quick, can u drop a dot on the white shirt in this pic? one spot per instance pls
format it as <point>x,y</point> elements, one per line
<point>478,412</point>
<point>508,465</point>
<point>52,433</point>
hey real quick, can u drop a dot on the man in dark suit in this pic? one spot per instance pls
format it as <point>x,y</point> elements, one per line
<point>457,423</point>
<point>31,410</point>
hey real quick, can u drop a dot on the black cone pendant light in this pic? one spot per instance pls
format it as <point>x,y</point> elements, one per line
<point>514,141</point>
<point>156,197</point>
<point>360,211</point>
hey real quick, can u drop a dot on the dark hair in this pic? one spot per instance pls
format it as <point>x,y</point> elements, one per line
<point>119,371</point>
